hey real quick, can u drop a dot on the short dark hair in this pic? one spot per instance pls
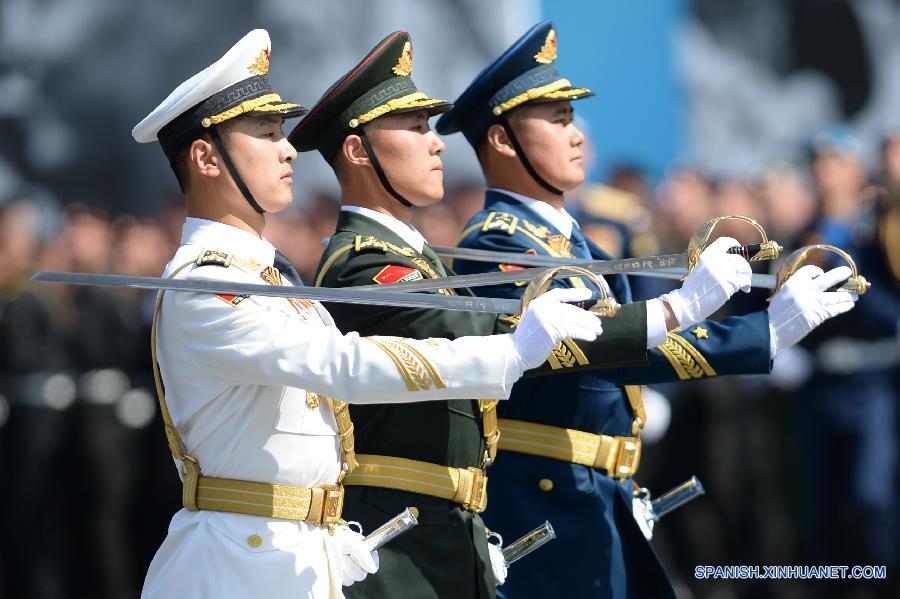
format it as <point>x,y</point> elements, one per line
<point>179,167</point>
<point>179,164</point>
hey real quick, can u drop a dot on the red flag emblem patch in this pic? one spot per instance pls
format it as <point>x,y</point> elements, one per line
<point>234,300</point>
<point>395,273</point>
<point>509,267</point>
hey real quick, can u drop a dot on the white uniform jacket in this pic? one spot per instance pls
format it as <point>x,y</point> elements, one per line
<point>236,373</point>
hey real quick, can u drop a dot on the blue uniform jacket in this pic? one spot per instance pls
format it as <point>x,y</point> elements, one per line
<point>599,550</point>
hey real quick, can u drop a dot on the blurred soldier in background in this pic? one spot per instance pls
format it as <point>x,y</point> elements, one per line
<point>36,325</point>
<point>850,404</point>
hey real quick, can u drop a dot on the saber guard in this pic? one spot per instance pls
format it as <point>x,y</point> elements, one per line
<point>768,249</point>
<point>604,307</point>
<point>856,283</point>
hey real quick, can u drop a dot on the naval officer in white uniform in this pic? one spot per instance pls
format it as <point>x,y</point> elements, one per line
<point>253,389</point>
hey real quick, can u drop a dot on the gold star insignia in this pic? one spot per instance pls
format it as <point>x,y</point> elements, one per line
<point>700,333</point>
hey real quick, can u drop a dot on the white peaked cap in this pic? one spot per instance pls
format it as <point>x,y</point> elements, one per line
<point>235,85</point>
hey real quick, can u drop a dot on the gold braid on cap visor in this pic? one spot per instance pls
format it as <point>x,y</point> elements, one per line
<point>556,90</point>
<point>414,100</point>
<point>260,104</point>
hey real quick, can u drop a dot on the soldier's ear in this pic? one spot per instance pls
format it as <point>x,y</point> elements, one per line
<point>203,159</point>
<point>498,141</point>
<point>353,151</point>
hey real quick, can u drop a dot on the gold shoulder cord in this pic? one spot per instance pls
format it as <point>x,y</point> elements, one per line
<point>636,401</point>
<point>490,429</point>
<point>176,445</point>
<point>345,433</point>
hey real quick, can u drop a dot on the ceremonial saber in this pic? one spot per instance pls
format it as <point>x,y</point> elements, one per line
<point>657,266</point>
<point>354,295</point>
<point>650,266</point>
<point>624,265</point>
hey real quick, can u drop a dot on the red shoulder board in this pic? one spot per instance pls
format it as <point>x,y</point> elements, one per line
<point>395,273</point>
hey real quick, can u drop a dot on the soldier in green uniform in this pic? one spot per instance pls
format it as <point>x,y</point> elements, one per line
<point>372,127</point>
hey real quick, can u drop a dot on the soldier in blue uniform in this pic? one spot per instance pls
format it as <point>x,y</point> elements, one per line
<point>569,444</point>
<point>852,446</point>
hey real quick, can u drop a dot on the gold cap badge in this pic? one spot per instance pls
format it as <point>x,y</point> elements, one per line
<point>547,53</point>
<point>260,66</point>
<point>403,68</point>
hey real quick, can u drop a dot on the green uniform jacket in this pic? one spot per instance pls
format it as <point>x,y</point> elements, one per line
<point>446,555</point>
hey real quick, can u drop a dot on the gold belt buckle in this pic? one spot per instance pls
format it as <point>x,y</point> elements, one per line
<point>332,505</point>
<point>477,499</point>
<point>628,458</point>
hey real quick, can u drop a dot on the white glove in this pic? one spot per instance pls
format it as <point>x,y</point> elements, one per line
<point>716,277</point>
<point>498,563</point>
<point>547,321</point>
<point>356,560</point>
<point>643,514</point>
<point>802,304</point>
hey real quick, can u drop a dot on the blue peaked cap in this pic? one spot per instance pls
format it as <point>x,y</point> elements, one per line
<point>835,137</point>
<point>525,73</point>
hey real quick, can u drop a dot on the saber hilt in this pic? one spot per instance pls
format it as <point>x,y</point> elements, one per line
<point>767,250</point>
<point>856,283</point>
<point>392,529</point>
<point>757,251</point>
<point>677,497</point>
<point>522,547</point>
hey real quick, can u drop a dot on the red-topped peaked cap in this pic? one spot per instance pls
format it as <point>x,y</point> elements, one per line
<point>380,84</point>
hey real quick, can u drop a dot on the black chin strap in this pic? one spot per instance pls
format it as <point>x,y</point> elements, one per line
<point>238,180</point>
<point>379,171</point>
<point>525,162</point>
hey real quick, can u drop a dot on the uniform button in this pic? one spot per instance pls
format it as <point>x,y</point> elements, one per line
<point>254,541</point>
<point>545,484</point>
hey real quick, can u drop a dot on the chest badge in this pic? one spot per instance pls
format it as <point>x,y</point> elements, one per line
<point>394,273</point>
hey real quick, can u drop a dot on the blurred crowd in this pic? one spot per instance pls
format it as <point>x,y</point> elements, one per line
<point>800,467</point>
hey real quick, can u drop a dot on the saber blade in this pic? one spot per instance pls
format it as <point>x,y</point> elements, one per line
<point>750,252</point>
<point>354,295</point>
<point>600,267</point>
